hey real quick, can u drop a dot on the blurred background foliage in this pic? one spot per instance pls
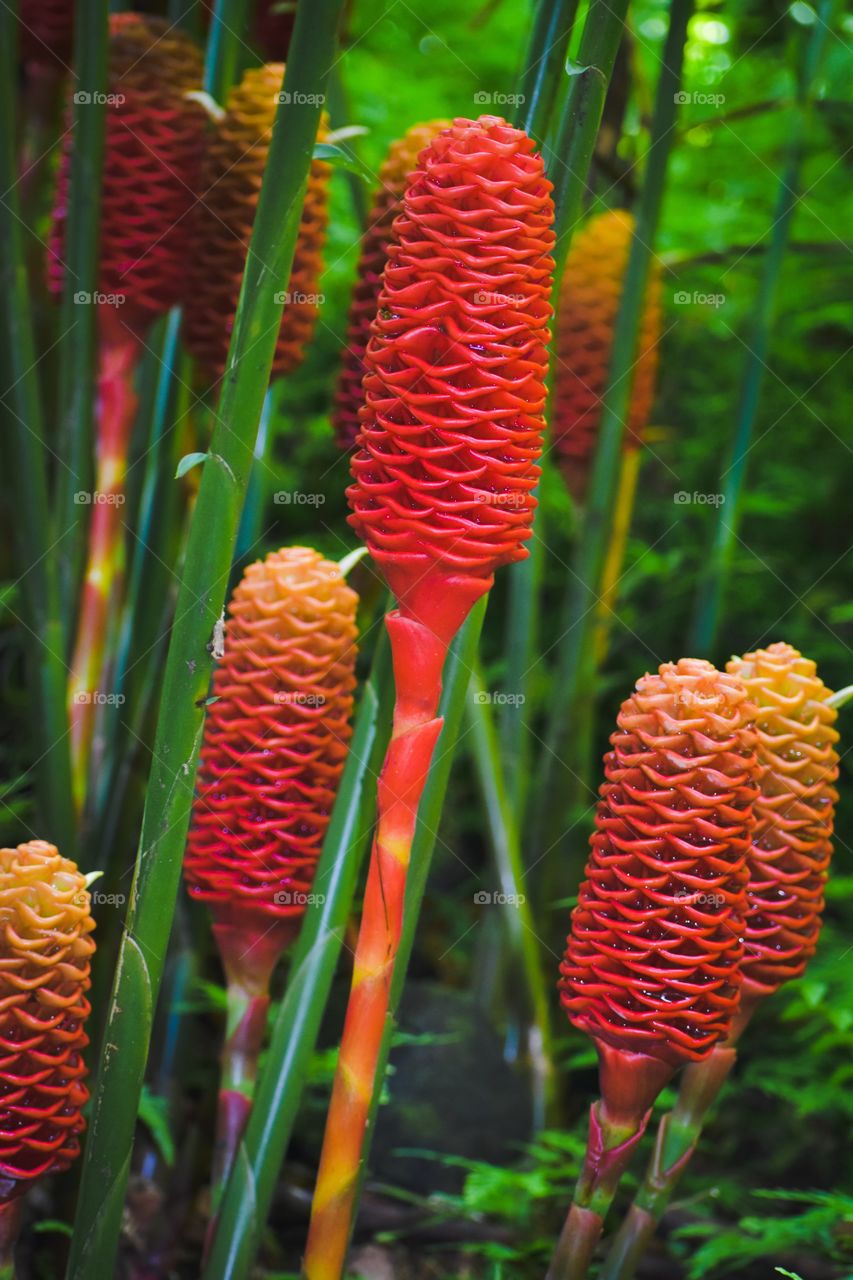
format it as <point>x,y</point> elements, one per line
<point>458,1187</point>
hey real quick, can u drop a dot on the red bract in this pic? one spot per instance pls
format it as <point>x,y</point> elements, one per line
<point>653,960</point>
<point>387,203</point>
<point>792,844</point>
<point>275,741</point>
<point>45,949</point>
<point>451,429</point>
<point>154,139</point>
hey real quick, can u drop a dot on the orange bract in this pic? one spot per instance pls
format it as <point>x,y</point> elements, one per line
<point>45,949</point>
<point>795,809</point>
<point>276,738</point>
<point>590,294</point>
<point>222,227</point>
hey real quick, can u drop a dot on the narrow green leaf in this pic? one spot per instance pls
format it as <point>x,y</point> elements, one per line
<point>188,461</point>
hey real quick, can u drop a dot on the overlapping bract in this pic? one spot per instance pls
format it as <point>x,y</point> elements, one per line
<point>154,142</point>
<point>652,962</point>
<point>234,165</point>
<point>45,949</point>
<point>792,842</point>
<point>276,739</point>
<point>451,429</point>
<point>590,294</point>
<point>387,202</point>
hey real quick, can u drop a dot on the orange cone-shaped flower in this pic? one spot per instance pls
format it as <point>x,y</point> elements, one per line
<point>652,966</point>
<point>45,950</point>
<point>589,302</point>
<point>233,171</point>
<point>387,203</point>
<point>795,810</point>
<point>275,744</point>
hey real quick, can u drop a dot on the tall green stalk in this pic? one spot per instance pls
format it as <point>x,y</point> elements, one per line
<point>575,675</point>
<point>249,1190</point>
<point>575,133</point>
<point>712,582</point>
<point>78,320</point>
<point>543,63</point>
<point>189,662</point>
<point>225,46</point>
<point>518,913</point>
<point>38,576</point>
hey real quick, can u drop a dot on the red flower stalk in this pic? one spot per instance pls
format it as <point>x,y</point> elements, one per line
<point>234,167</point>
<point>787,862</point>
<point>45,949</point>
<point>652,966</point>
<point>153,149</point>
<point>275,744</point>
<point>590,295</point>
<point>387,203</point>
<point>443,476</point>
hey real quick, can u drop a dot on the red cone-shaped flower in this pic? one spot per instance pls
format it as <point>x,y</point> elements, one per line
<point>590,295</point>
<point>792,842</point>
<point>447,456</point>
<point>451,430</point>
<point>653,959</point>
<point>45,949</point>
<point>275,740</point>
<point>154,139</point>
<point>233,172</point>
<point>387,203</point>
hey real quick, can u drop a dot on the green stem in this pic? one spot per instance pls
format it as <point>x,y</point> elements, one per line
<point>517,915</point>
<point>10,1225</point>
<point>575,676</point>
<point>544,62</point>
<point>575,134</point>
<point>188,665</point>
<point>712,583</point>
<point>77,350</point>
<point>249,1190</point>
<point>225,46</point>
<point>37,552</point>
